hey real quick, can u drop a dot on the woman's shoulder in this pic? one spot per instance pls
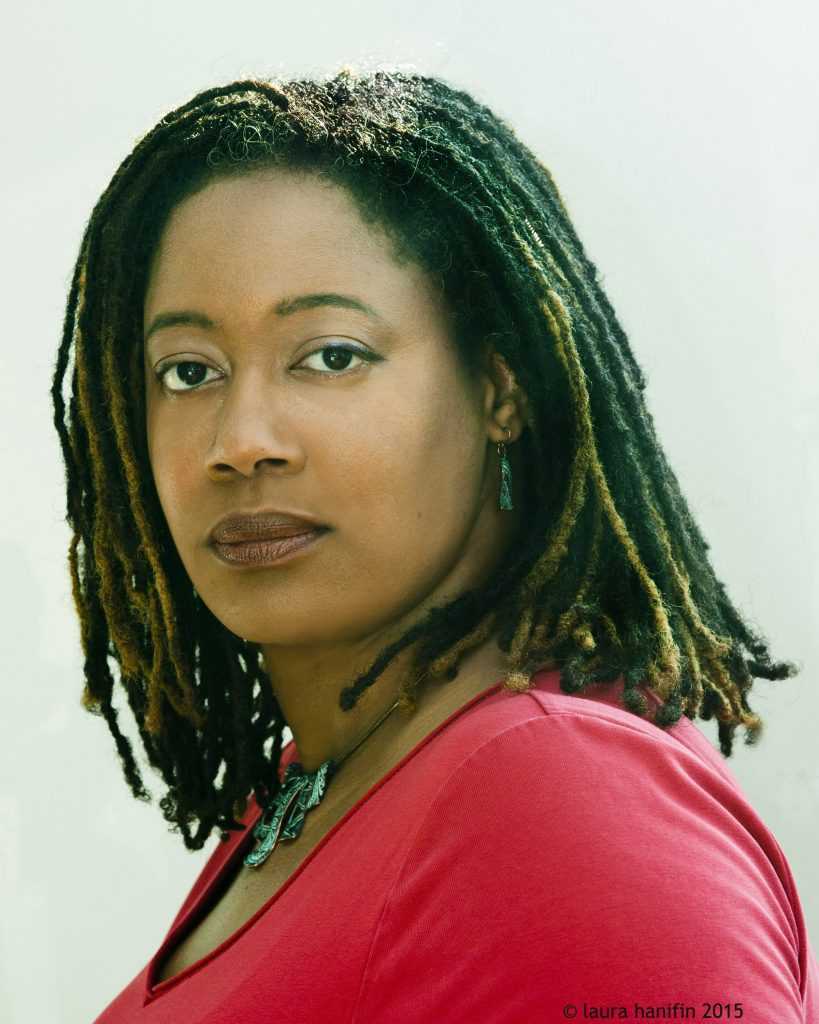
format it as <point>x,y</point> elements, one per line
<point>582,853</point>
<point>545,756</point>
<point>595,726</point>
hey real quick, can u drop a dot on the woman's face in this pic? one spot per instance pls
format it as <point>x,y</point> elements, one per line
<point>389,445</point>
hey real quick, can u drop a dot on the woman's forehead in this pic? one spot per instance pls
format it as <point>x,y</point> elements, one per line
<point>267,240</point>
<point>270,209</point>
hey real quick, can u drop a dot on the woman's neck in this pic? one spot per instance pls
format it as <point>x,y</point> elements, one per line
<point>321,730</point>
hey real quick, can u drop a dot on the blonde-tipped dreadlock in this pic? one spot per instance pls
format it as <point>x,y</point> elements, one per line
<point>610,576</point>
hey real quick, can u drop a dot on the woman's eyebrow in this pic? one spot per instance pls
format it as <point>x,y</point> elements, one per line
<point>285,307</point>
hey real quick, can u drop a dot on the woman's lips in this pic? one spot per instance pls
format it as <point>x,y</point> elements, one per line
<point>262,524</point>
<point>267,551</point>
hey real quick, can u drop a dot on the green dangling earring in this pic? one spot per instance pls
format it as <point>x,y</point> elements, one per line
<point>506,475</point>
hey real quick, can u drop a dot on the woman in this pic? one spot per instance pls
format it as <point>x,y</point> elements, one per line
<point>356,446</point>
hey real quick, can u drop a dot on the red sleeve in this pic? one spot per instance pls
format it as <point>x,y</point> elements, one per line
<point>573,865</point>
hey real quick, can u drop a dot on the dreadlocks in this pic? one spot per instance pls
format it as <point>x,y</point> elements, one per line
<point>610,576</point>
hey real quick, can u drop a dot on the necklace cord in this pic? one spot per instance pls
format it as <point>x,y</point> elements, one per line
<point>368,733</point>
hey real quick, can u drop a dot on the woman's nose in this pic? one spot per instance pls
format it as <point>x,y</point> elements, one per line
<point>251,434</point>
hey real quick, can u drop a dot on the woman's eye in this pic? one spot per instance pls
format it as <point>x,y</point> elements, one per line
<point>335,359</point>
<point>186,372</point>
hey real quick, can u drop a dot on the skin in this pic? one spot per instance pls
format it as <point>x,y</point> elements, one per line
<point>398,455</point>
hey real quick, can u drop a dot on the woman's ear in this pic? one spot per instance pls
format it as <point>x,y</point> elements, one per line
<point>505,403</point>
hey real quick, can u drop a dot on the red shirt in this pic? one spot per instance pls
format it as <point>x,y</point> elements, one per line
<point>538,857</point>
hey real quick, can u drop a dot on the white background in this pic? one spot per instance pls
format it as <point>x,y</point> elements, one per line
<point>683,137</point>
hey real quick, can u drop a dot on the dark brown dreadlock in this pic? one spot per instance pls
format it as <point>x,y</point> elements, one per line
<point>610,576</point>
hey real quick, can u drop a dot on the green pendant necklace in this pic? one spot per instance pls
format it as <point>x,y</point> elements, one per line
<point>283,818</point>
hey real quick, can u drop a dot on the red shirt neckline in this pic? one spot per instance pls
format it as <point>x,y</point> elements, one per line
<point>152,991</point>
